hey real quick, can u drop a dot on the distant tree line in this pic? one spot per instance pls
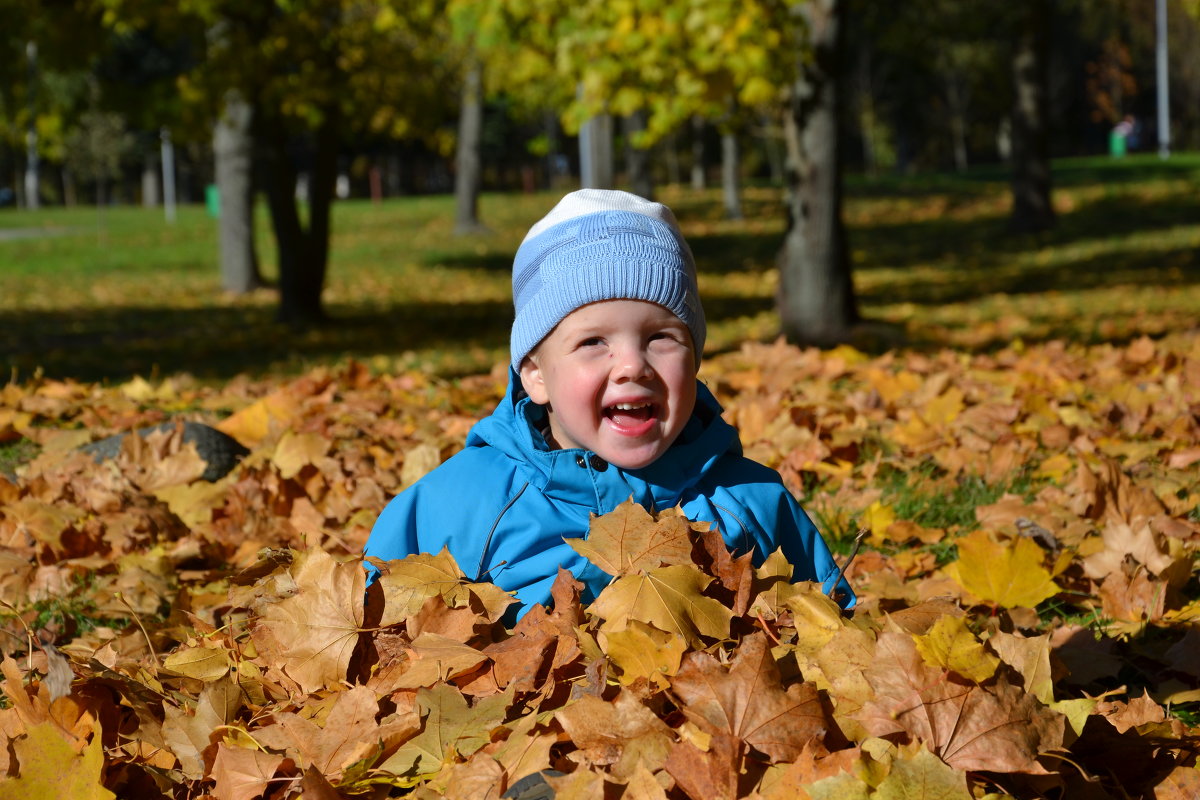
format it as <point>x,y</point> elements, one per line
<point>304,101</point>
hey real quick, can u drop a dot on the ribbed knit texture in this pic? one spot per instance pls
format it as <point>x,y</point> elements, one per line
<point>598,245</point>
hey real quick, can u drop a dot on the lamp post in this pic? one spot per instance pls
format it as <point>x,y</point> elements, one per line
<point>1164,108</point>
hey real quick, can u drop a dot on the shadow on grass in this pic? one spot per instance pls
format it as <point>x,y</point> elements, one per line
<point>986,241</point>
<point>212,343</point>
<point>960,260</point>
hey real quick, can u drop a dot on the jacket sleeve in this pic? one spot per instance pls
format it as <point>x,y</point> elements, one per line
<point>754,510</point>
<point>394,534</point>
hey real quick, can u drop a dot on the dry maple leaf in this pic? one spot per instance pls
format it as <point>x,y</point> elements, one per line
<point>1006,574</point>
<point>999,728</point>
<point>349,733</point>
<point>641,651</point>
<point>708,774</point>
<point>408,582</point>
<point>240,773</point>
<point>669,598</point>
<point>311,634</point>
<point>629,540</point>
<point>449,725</point>
<point>922,776</point>
<point>49,766</point>
<point>748,702</point>
<point>951,644</point>
<point>620,735</point>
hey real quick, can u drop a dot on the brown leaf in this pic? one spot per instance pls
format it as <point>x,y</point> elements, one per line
<point>481,778</point>
<point>629,540</point>
<point>710,774</point>
<point>1138,711</point>
<point>312,633</point>
<point>348,733</point>
<point>437,659</point>
<point>621,735</point>
<point>240,773</point>
<point>295,451</point>
<point>999,728</point>
<point>747,701</point>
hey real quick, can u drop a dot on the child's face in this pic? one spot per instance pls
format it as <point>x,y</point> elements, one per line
<point>618,378</point>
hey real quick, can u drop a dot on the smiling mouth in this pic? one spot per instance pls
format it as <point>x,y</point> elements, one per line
<point>627,415</point>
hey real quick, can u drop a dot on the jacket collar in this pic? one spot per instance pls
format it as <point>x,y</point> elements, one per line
<point>578,477</point>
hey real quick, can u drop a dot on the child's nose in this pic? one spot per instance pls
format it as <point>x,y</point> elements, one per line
<point>632,364</point>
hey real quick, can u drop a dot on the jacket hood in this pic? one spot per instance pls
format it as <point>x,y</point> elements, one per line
<point>515,429</point>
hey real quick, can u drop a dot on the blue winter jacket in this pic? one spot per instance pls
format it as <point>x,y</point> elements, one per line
<point>504,505</point>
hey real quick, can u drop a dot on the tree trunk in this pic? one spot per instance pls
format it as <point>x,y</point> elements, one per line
<point>1032,209</point>
<point>772,149</point>
<point>233,148</point>
<point>596,153</point>
<point>671,158</point>
<point>303,253</point>
<point>467,161</point>
<point>637,160</point>
<point>956,100</point>
<point>816,294</point>
<point>149,180</point>
<point>699,175</point>
<point>731,175</point>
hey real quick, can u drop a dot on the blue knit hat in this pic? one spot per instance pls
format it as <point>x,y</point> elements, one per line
<point>599,244</point>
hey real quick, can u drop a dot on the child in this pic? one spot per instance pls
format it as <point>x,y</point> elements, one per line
<point>602,404</point>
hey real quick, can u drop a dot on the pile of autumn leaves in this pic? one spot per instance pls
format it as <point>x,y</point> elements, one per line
<point>255,662</point>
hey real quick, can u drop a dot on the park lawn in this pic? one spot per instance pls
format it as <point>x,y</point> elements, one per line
<point>119,292</point>
<point>1024,473</point>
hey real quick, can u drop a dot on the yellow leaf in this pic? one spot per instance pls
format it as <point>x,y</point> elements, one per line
<point>669,598</point>
<point>51,769</point>
<point>935,778</point>
<point>1055,467</point>
<point>1008,574</point>
<point>1076,711</point>
<point>408,582</point>
<point>295,451</point>
<point>1029,656</point>
<point>630,540</point>
<point>254,422</point>
<point>951,645</point>
<point>817,619</point>
<point>879,518</point>
<point>945,408</point>
<point>205,663</point>
<point>642,651</point>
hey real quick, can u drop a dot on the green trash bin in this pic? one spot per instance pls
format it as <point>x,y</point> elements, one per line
<point>212,200</point>
<point>1116,143</point>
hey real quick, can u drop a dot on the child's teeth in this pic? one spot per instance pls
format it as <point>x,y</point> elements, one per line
<point>630,406</point>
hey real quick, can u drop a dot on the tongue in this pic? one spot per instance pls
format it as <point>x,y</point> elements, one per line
<point>630,417</point>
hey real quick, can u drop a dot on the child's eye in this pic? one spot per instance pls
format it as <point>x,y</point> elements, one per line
<point>591,341</point>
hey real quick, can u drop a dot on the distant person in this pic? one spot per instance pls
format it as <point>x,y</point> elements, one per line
<point>603,404</point>
<point>1121,139</point>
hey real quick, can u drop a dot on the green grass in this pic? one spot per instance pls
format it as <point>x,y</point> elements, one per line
<point>115,293</point>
